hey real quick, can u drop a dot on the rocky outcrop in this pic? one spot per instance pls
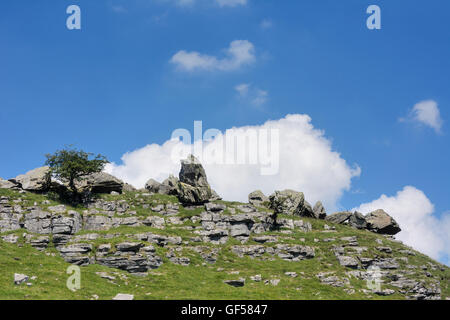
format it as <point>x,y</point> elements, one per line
<point>257,198</point>
<point>319,211</point>
<point>152,186</point>
<point>377,221</point>
<point>191,188</point>
<point>37,180</point>
<point>290,202</point>
<point>5,184</point>
<point>100,182</point>
<point>192,173</point>
<point>380,222</point>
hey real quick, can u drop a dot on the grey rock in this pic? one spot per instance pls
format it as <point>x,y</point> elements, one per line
<point>99,182</point>
<point>239,230</point>
<point>291,274</point>
<point>385,292</point>
<point>123,296</point>
<point>192,173</point>
<point>129,246</point>
<point>256,278</point>
<point>5,184</point>
<point>153,186</point>
<point>35,180</point>
<point>10,238</point>
<point>339,217</point>
<point>215,207</point>
<point>191,195</point>
<point>169,186</point>
<point>348,261</point>
<point>384,249</point>
<point>97,222</point>
<point>257,198</point>
<point>357,220</point>
<point>183,261</point>
<point>264,239</point>
<point>380,222</point>
<point>40,243</point>
<point>287,202</point>
<point>20,278</point>
<point>235,283</point>
<point>319,211</point>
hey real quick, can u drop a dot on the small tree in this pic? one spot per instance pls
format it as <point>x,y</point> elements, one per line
<point>72,165</point>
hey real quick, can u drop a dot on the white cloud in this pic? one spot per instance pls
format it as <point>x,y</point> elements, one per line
<point>260,98</point>
<point>239,53</point>
<point>266,24</point>
<point>231,3</point>
<point>306,163</point>
<point>426,113</point>
<point>413,211</point>
<point>242,89</point>
<point>255,96</point>
<point>220,3</point>
<point>118,9</point>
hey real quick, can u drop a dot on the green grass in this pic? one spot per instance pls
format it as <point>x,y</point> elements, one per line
<point>199,280</point>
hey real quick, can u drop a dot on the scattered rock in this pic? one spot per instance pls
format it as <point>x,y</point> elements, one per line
<point>235,283</point>
<point>123,296</point>
<point>20,278</point>
<point>349,262</point>
<point>256,278</point>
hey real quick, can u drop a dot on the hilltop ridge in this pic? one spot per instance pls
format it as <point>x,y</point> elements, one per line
<point>178,240</point>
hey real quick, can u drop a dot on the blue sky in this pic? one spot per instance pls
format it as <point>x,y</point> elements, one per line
<point>111,87</point>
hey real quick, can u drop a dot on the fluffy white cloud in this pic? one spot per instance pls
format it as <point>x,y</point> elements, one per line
<point>413,211</point>
<point>426,113</point>
<point>305,162</point>
<point>239,53</point>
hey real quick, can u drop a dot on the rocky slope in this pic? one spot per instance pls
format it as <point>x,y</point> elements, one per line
<point>177,240</point>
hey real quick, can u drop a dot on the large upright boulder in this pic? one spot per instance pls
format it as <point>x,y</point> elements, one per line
<point>193,186</point>
<point>37,180</point>
<point>380,222</point>
<point>319,211</point>
<point>290,202</point>
<point>192,173</point>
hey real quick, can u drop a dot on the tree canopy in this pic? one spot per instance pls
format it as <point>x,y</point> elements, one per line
<point>72,165</point>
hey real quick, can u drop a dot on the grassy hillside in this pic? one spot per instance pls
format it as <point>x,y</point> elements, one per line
<point>200,279</point>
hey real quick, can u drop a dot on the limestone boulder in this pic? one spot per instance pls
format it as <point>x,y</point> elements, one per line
<point>380,222</point>
<point>257,198</point>
<point>101,182</point>
<point>290,202</point>
<point>319,211</point>
<point>37,180</point>
<point>192,173</point>
<point>5,184</point>
<point>339,217</point>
